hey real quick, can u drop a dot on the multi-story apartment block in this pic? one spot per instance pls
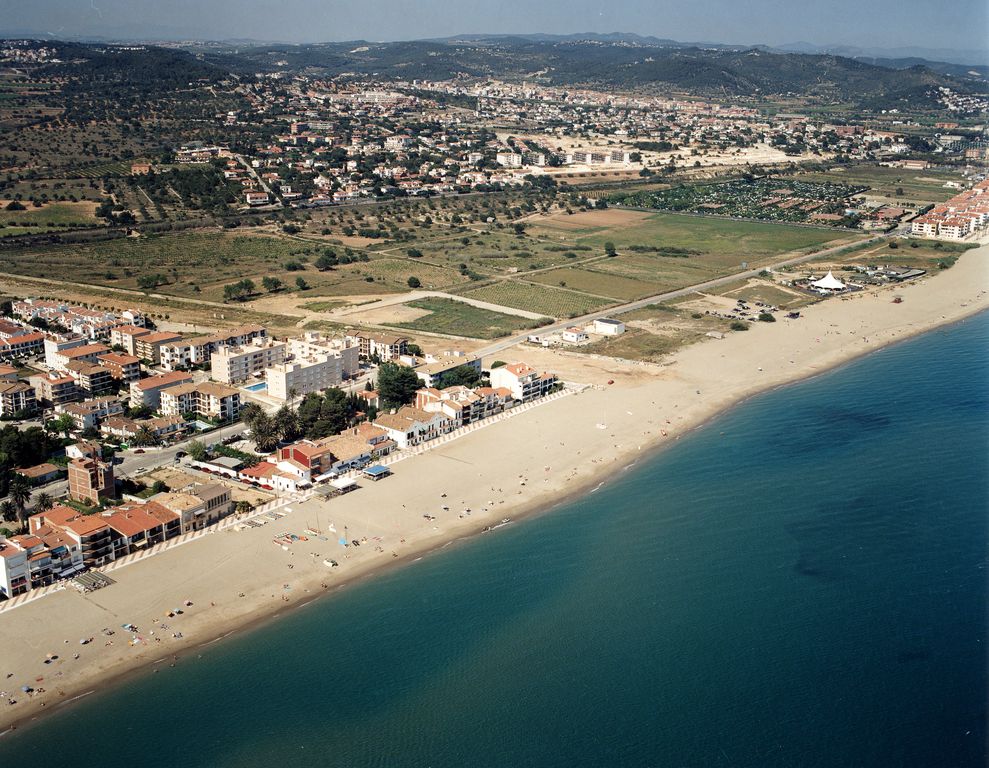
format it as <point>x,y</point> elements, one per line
<point>235,364</point>
<point>524,382</point>
<point>385,347</point>
<point>124,368</point>
<point>148,391</point>
<point>55,390</point>
<point>198,351</point>
<point>148,346</point>
<point>207,399</point>
<point>90,480</point>
<point>17,398</point>
<point>126,336</point>
<point>91,379</point>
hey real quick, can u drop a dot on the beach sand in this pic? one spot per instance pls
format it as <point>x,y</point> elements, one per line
<point>516,466</point>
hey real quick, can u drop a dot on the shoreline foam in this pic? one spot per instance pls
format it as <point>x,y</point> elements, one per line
<point>28,632</point>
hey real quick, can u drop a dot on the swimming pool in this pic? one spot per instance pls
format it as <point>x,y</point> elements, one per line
<point>259,387</point>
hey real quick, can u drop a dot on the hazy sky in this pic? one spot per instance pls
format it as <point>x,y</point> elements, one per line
<point>953,24</point>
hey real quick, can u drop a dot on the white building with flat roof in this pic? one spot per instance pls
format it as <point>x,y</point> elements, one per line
<point>235,364</point>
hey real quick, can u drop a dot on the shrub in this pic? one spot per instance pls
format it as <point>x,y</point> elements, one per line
<point>738,325</point>
<point>766,317</point>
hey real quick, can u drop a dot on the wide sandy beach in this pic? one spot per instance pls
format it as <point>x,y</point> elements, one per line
<point>529,462</point>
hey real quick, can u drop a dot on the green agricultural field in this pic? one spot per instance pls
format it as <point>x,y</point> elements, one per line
<point>454,318</point>
<point>917,186</point>
<point>398,271</point>
<point>597,283</point>
<point>721,241</point>
<point>49,216</point>
<point>555,302</point>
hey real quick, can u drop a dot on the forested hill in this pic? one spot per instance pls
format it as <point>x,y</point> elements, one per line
<point>723,71</point>
<point>156,68</point>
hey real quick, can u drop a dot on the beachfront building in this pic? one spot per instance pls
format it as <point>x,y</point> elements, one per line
<point>17,399</point>
<point>198,506</point>
<point>14,578</point>
<point>91,541</point>
<point>432,373</point>
<point>410,426</point>
<point>524,382</point>
<point>206,400</point>
<point>148,391</point>
<point>235,364</point>
<point>91,480</point>
<point>310,460</point>
<point>463,405</point>
<point>89,534</point>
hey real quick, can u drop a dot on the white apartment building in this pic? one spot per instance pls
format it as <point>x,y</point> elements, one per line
<point>13,570</point>
<point>523,381</point>
<point>208,399</point>
<point>232,365</point>
<point>304,375</point>
<point>312,343</point>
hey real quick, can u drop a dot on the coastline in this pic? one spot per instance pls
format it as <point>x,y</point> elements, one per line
<point>647,409</point>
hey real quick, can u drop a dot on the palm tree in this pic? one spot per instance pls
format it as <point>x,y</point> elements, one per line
<point>8,512</point>
<point>264,432</point>
<point>20,494</point>
<point>287,423</point>
<point>144,437</point>
<point>249,413</point>
<point>292,393</point>
<point>43,502</point>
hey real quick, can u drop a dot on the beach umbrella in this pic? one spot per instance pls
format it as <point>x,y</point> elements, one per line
<point>26,688</point>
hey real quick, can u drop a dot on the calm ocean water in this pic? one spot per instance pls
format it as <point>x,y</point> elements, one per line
<point>801,583</point>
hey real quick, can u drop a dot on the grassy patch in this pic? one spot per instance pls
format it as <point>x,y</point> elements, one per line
<point>596,282</point>
<point>555,302</point>
<point>454,318</point>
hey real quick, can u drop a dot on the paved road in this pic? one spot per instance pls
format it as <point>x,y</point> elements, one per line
<point>511,341</point>
<point>133,463</point>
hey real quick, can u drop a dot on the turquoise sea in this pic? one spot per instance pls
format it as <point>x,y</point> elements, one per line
<point>802,582</point>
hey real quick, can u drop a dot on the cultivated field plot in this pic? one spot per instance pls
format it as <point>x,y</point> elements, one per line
<point>454,318</point>
<point>398,271</point>
<point>597,283</point>
<point>768,199</point>
<point>895,183</point>
<point>555,302</point>
<point>47,217</point>
<point>720,242</point>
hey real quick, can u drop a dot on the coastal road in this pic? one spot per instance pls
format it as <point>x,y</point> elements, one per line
<point>717,282</point>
